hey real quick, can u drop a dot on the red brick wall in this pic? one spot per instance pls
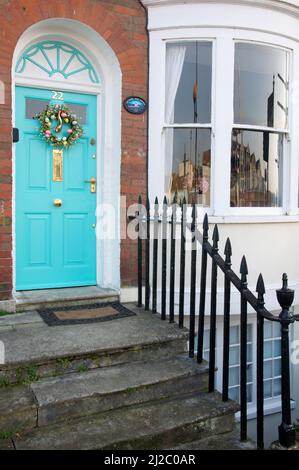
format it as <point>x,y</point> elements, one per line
<point>122,23</point>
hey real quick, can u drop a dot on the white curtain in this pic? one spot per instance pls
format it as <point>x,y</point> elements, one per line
<point>174,66</point>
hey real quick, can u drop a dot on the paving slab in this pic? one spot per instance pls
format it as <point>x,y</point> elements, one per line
<point>15,319</point>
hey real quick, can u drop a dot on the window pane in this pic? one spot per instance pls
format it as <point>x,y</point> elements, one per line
<point>277,348</point>
<point>276,387</point>
<point>234,393</point>
<point>276,329</point>
<point>188,82</point>
<point>249,393</point>
<point>234,335</point>
<point>249,352</point>
<point>249,333</point>
<point>80,111</point>
<point>268,389</point>
<point>277,367</point>
<point>256,169</point>
<point>261,84</point>
<point>268,350</point>
<point>188,165</point>
<point>268,330</point>
<point>249,374</point>
<point>34,106</point>
<point>234,355</point>
<point>268,369</point>
<point>234,376</point>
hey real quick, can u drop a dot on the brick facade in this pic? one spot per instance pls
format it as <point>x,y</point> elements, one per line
<point>122,23</point>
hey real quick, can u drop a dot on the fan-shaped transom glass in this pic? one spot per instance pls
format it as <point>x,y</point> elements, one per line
<point>56,59</point>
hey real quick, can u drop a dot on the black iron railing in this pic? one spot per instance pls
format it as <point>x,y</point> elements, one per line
<point>285,297</point>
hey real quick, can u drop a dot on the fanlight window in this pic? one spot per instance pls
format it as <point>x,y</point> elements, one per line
<point>53,58</point>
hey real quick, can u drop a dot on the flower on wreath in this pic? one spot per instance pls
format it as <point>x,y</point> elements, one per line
<point>52,120</point>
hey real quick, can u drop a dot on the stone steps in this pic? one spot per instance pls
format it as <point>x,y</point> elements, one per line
<point>66,397</point>
<point>124,384</point>
<point>155,425</point>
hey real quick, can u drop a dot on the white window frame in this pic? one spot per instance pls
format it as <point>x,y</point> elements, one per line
<point>222,121</point>
<point>271,405</point>
<point>197,125</point>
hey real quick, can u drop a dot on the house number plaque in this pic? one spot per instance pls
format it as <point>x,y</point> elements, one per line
<point>57,165</point>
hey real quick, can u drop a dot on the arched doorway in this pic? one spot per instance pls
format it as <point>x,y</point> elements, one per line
<point>56,199</point>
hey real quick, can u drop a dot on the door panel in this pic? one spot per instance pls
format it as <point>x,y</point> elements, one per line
<point>55,246</point>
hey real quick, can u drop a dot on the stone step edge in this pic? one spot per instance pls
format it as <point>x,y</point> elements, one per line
<point>33,370</point>
<point>186,381</point>
<point>39,412</point>
<point>220,416</point>
<point>27,305</point>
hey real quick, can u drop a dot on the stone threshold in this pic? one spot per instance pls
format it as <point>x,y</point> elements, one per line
<point>47,298</point>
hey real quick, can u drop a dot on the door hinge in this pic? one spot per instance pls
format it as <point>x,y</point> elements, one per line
<point>15,135</point>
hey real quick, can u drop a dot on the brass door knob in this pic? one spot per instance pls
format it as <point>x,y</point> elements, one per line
<point>57,202</point>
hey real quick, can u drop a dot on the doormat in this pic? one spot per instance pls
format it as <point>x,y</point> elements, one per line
<point>84,314</point>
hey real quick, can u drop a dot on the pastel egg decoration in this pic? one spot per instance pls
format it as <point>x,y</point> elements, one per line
<point>62,114</point>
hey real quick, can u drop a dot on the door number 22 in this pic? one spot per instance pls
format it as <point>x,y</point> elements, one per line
<point>57,95</point>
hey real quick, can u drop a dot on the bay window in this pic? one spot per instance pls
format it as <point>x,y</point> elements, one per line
<point>226,124</point>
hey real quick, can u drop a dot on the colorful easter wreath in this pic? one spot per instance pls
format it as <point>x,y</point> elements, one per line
<point>52,120</point>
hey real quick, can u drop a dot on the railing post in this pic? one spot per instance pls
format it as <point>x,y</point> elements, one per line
<point>155,255</point>
<point>226,321</point>
<point>287,432</point>
<point>164,259</point>
<point>203,287</point>
<point>172,261</point>
<point>139,252</point>
<point>243,352</point>
<point>182,264</point>
<point>193,284</point>
<point>260,289</point>
<point>213,313</point>
<point>147,257</point>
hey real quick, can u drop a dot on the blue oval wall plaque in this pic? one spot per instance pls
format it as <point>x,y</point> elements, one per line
<point>135,105</point>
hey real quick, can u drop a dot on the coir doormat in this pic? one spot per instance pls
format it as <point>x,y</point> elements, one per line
<point>83,314</point>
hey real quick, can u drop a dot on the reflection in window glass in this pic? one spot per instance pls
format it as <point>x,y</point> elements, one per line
<point>234,364</point>
<point>188,165</point>
<point>261,86</point>
<point>272,360</point>
<point>188,82</point>
<point>34,106</point>
<point>80,110</point>
<point>256,169</point>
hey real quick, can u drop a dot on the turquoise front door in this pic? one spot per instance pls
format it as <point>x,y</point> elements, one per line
<point>55,244</point>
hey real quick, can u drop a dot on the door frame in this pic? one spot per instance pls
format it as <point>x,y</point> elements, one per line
<point>108,94</point>
<point>95,90</point>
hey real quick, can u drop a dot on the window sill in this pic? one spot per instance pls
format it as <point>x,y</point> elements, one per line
<point>252,219</point>
<point>272,406</point>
